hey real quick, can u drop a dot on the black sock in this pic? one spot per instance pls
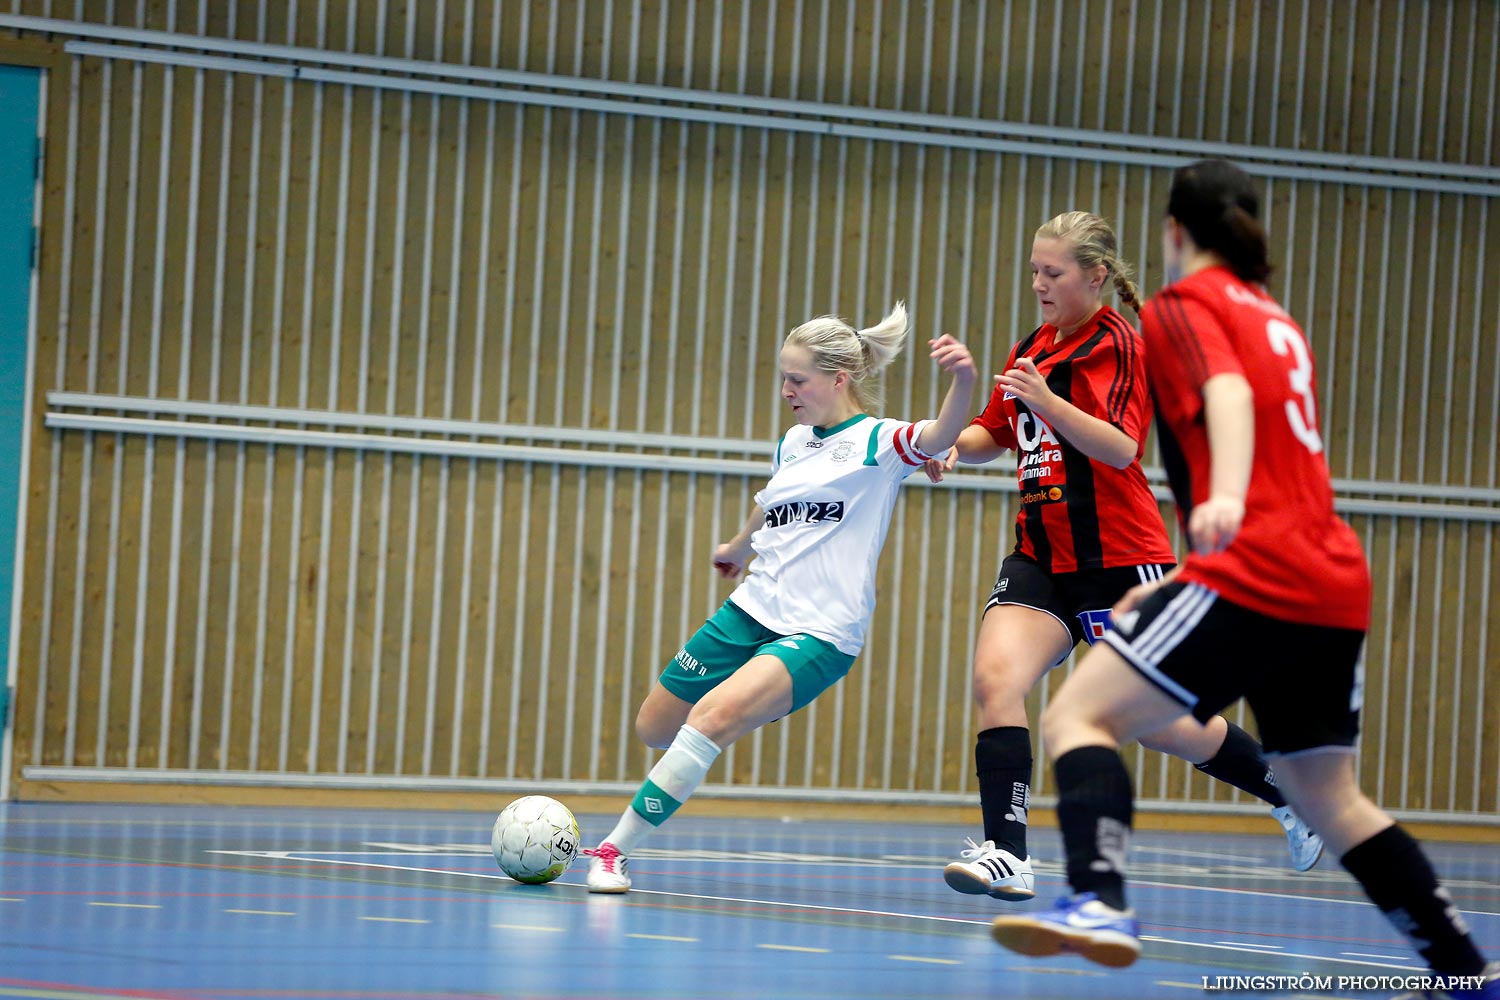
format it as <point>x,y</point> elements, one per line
<point>1095,807</point>
<point>1395,874</point>
<point>1002,759</point>
<point>1240,764</point>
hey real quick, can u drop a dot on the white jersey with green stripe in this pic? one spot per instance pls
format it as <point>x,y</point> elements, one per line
<point>828,506</point>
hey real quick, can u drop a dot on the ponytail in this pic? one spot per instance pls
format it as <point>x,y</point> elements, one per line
<point>862,354</point>
<point>1245,249</point>
<point>883,341</point>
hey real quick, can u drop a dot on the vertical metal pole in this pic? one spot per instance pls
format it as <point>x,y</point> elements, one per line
<point>54,481</point>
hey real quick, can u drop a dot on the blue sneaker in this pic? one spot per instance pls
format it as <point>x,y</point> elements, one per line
<point>1305,846</point>
<point>1080,924</point>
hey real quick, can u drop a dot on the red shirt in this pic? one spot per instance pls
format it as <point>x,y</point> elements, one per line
<point>1293,559</point>
<point>1077,513</point>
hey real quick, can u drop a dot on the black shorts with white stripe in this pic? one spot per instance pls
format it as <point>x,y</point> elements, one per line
<point>1303,682</point>
<point>1079,601</point>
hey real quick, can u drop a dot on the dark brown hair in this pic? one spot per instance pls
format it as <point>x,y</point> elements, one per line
<point>1216,202</point>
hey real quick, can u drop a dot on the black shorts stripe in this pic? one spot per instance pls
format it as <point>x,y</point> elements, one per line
<point>1206,652</point>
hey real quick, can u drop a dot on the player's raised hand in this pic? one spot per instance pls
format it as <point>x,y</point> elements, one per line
<point>952,356</point>
<point>936,468</point>
<point>1027,384</point>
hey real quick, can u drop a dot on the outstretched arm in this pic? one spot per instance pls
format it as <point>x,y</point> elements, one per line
<point>730,557</point>
<point>940,435</point>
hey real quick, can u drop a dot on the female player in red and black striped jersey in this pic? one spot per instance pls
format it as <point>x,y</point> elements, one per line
<point>1073,404</point>
<point>1272,604</point>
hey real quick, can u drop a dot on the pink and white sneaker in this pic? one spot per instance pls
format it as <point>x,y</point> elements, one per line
<point>608,869</point>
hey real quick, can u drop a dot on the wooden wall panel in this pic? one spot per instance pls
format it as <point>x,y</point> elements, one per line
<point>244,239</point>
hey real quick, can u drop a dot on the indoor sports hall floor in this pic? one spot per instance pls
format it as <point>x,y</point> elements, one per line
<point>218,903</point>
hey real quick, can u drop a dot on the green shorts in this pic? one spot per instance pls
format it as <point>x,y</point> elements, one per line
<point>729,639</point>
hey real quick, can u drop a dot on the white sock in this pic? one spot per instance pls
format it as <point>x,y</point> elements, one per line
<point>676,776</point>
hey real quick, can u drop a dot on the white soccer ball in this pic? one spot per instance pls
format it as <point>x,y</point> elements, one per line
<point>535,839</point>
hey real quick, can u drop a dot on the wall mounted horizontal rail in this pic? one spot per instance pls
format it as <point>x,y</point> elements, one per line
<point>784,114</point>
<point>447,444</point>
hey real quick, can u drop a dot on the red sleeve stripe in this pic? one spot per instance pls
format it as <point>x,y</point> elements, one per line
<point>1123,386</point>
<point>906,445</point>
<point>1174,324</point>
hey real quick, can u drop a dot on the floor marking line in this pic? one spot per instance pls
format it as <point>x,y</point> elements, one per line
<point>663,937</point>
<point>1256,944</point>
<point>128,906</point>
<point>1280,895</point>
<point>793,947</point>
<point>1366,954</point>
<point>1237,858</point>
<point>526,927</point>
<point>1279,954</point>
<point>922,958</point>
<point>397,920</point>
<point>302,857</point>
<point>287,855</point>
<point>265,913</point>
<point>497,876</point>
<point>1186,986</point>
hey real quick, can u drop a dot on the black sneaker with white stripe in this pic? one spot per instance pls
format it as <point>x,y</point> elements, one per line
<point>987,869</point>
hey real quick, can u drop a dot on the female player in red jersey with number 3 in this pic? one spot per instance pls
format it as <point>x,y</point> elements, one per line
<point>1272,604</point>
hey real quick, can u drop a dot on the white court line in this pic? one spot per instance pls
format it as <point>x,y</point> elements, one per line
<point>1281,895</point>
<point>265,913</point>
<point>1365,954</point>
<point>1263,871</point>
<point>1137,849</point>
<point>289,855</point>
<point>1254,944</point>
<point>397,920</point>
<point>316,856</point>
<point>1278,954</point>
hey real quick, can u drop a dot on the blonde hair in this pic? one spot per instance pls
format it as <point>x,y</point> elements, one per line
<point>1093,243</point>
<point>836,347</point>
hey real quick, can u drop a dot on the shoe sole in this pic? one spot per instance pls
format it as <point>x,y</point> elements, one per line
<point>1311,864</point>
<point>610,890</point>
<point>962,880</point>
<point>1027,936</point>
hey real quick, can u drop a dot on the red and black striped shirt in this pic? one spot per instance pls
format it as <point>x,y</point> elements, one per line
<point>1078,513</point>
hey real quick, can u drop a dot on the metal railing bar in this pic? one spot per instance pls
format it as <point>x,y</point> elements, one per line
<point>614,88</point>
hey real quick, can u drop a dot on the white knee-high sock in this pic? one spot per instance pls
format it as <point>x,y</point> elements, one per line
<point>676,776</point>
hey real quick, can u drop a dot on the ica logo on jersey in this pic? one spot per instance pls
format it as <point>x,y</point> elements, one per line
<point>1039,447</point>
<point>809,511</point>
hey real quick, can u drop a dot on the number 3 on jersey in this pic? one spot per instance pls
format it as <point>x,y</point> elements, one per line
<point>1287,339</point>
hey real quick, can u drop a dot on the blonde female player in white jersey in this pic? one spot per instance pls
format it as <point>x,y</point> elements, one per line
<point>792,629</point>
